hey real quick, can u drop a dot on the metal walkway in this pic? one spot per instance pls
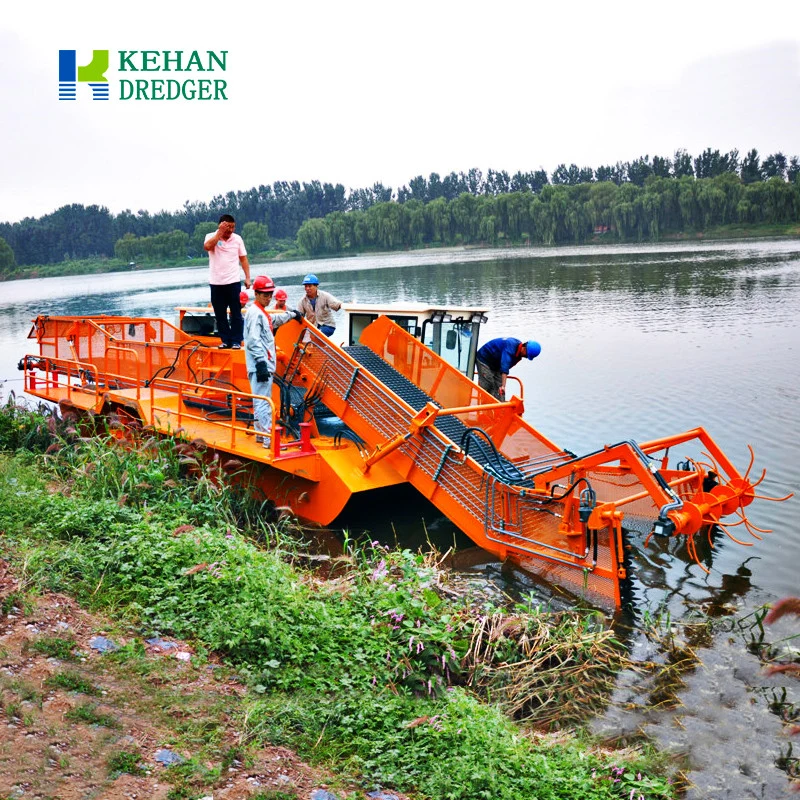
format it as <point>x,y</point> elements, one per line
<point>470,455</point>
<point>452,427</point>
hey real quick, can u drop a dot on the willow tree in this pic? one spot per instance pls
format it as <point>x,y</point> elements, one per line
<point>7,261</point>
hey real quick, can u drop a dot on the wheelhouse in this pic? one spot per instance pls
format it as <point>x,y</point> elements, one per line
<point>452,332</point>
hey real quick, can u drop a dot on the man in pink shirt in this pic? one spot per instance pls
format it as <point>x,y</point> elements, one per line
<point>226,252</point>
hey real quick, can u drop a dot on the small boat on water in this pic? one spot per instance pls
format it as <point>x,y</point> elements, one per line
<point>394,402</point>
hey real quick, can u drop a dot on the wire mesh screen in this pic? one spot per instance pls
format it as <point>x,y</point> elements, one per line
<point>595,588</point>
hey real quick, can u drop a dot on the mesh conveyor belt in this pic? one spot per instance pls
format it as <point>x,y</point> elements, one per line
<point>451,426</point>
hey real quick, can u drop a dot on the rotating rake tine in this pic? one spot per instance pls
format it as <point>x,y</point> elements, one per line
<point>752,459</point>
<point>749,524</point>
<point>714,464</point>
<point>773,499</point>
<point>725,527</point>
<point>734,524</point>
<point>708,534</point>
<point>692,550</point>
<point>763,475</point>
<point>753,528</point>
<point>757,483</point>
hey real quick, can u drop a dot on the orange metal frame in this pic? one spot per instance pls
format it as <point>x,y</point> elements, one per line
<point>532,501</point>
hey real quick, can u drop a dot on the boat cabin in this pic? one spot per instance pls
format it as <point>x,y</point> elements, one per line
<point>452,332</point>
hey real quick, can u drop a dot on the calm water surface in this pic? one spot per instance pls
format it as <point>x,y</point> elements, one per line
<point>638,342</point>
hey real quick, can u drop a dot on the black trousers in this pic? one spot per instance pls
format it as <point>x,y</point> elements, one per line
<point>223,298</point>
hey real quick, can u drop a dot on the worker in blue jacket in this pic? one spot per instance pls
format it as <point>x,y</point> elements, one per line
<point>495,359</point>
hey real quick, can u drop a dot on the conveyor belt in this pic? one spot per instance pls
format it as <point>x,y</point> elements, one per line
<point>451,426</point>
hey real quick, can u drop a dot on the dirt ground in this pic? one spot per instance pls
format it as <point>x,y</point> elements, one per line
<point>71,716</point>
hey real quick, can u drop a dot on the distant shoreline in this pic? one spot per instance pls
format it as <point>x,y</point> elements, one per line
<point>100,266</point>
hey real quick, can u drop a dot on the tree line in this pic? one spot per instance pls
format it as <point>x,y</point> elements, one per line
<point>640,198</point>
<point>558,214</point>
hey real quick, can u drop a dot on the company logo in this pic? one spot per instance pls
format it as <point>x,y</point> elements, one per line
<point>174,86</point>
<point>70,75</point>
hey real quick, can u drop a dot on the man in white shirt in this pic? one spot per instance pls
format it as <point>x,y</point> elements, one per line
<point>226,252</point>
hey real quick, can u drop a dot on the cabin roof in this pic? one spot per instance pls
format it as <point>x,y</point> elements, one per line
<point>410,307</point>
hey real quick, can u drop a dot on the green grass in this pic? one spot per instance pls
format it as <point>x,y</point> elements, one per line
<point>71,682</point>
<point>54,647</point>
<point>88,713</point>
<point>127,761</point>
<point>375,672</point>
<point>23,691</point>
<point>95,266</point>
<point>283,249</point>
<point>738,231</point>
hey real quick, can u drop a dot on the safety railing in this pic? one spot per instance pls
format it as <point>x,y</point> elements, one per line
<point>63,379</point>
<point>60,379</point>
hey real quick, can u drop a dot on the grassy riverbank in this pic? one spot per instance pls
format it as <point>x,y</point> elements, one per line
<point>282,250</point>
<point>287,250</point>
<point>376,665</point>
<point>737,231</point>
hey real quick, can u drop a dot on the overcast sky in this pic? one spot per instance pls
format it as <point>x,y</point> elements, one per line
<point>358,92</point>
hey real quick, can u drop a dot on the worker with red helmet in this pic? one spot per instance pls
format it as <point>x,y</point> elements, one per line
<point>280,299</point>
<point>259,351</point>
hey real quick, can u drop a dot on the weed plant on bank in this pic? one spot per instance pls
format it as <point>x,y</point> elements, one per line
<point>372,668</point>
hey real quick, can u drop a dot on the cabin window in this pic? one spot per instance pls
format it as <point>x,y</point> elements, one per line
<point>358,322</point>
<point>454,340</point>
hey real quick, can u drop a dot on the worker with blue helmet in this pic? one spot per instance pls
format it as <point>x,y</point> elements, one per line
<point>496,358</point>
<point>318,306</point>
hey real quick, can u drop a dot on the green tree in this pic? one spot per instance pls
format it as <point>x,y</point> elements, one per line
<point>125,248</point>
<point>201,230</point>
<point>7,261</point>
<point>566,175</point>
<point>662,167</point>
<point>255,236</point>
<point>601,198</point>
<point>437,221</point>
<point>311,237</point>
<point>774,166</point>
<point>793,171</point>
<point>464,216</point>
<point>751,167</point>
<point>640,170</point>
<point>780,197</point>
<point>682,164</point>
<point>337,227</point>
<point>712,203</point>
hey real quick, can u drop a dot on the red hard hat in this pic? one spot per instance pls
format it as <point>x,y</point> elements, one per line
<point>263,283</point>
<point>243,298</point>
<point>281,294</point>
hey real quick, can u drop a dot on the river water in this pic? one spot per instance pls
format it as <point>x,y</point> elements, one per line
<point>638,342</point>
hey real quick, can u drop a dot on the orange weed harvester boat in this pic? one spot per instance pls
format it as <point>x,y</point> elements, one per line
<point>397,404</point>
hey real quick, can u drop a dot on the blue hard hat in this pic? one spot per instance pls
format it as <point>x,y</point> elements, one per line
<point>311,278</point>
<point>532,349</point>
